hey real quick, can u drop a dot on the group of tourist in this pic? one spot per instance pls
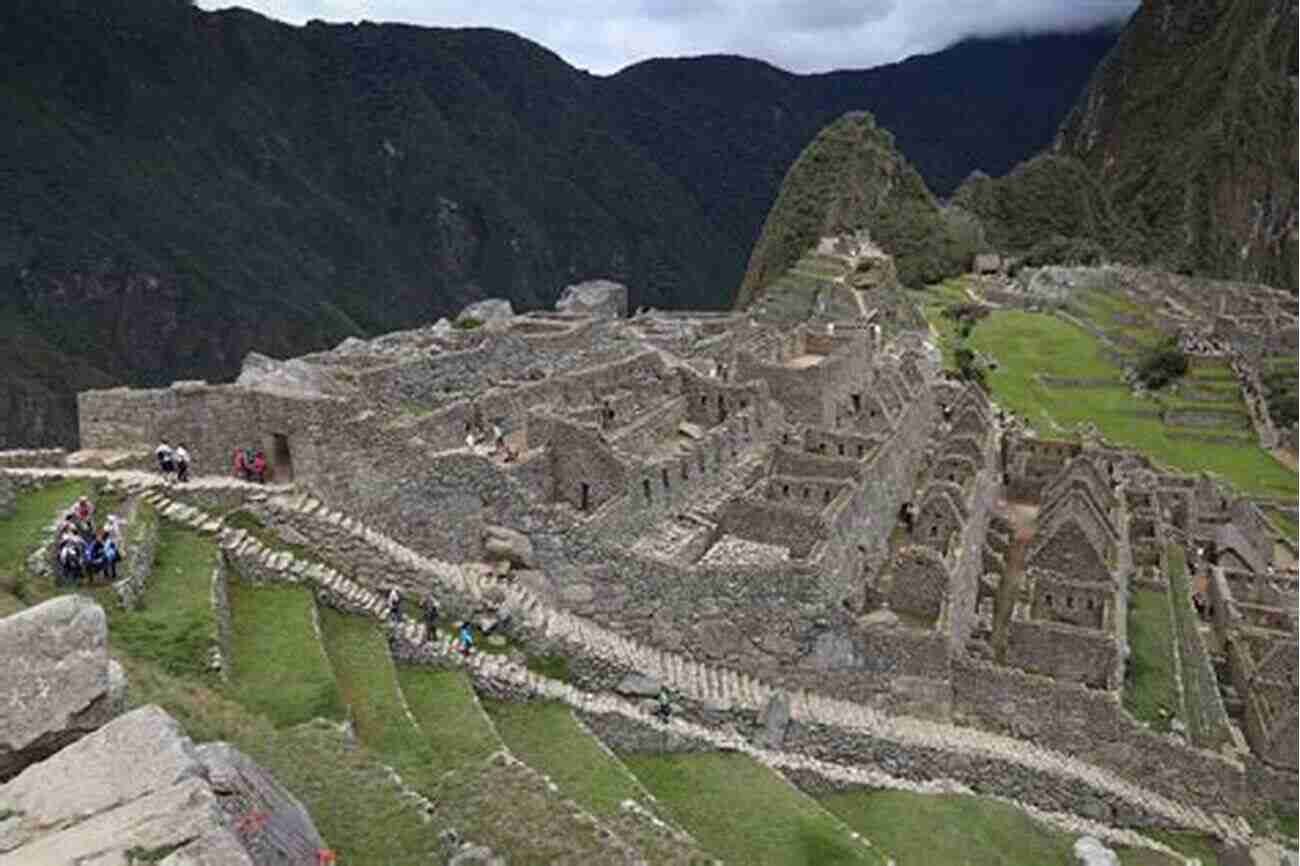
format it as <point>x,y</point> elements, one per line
<point>173,461</point>
<point>462,642</point>
<point>249,464</point>
<point>81,550</point>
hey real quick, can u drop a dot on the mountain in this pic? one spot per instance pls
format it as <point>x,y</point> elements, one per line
<point>178,187</point>
<point>850,179</point>
<point>1181,153</point>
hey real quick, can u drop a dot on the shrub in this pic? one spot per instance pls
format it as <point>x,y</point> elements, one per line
<point>467,323</point>
<point>1162,364</point>
<point>969,367</point>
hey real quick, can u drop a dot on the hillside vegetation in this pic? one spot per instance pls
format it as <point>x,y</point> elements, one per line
<point>852,178</point>
<point>178,187</point>
<point>1181,153</point>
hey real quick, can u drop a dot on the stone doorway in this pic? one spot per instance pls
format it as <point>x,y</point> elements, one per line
<point>281,459</point>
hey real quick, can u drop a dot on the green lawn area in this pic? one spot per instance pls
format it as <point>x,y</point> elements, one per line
<point>358,652</point>
<point>1025,344</point>
<point>745,813</point>
<point>269,625</point>
<point>22,531</point>
<point>546,736</point>
<point>174,624</point>
<point>454,726</point>
<point>960,830</point>
<point>1285,524</point>
<point>1151,682</point>
<point>353,801</point>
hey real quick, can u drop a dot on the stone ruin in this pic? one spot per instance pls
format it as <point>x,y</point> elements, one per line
<point>816,506</point>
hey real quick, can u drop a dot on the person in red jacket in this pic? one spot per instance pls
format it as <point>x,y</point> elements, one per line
<point>238,466</point>
<point>259,467</point>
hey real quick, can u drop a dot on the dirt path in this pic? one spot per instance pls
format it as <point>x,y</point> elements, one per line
<point>1285,457</point>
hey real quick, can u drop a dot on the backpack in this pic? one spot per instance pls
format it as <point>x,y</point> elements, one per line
<point>110,550</point>
<point>69,554</point>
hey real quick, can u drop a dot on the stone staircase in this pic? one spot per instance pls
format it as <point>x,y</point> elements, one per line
<point>708,685</point>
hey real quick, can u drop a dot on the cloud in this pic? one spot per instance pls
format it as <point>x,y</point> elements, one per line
<point>800,35</point>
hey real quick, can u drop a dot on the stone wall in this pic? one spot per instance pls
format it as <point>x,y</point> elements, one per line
<point>31,457</point>
<point>1091,725</point>
<point>139,548</point>
<point>220,601</point>
<point>8,497</point>
<point>1062,651</point>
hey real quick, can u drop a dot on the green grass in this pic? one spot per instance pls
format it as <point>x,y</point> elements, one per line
<point>22,531</point>
<point>960,830</point>
<point>745,813</point>
<point>1285,524</point>
<point>1188,844</point>
<point>270,626</point>
<point>353,802</point>
<point>1150,686</point>
<point>454,726</point>
<point>1025,344</point>
<point>949,830</point>
<point>174,624</point>
<point>358,652</point>
<point>546,736</point>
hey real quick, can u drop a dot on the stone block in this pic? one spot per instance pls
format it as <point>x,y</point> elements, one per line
<point>57,683</point>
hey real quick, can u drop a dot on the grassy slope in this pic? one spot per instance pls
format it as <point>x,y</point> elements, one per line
<point>1025,344</point>
<point>745,813</point>
<point>22,531</point>
<point>270,625</point>
<point>547,736</point>
<point>1150,685</point>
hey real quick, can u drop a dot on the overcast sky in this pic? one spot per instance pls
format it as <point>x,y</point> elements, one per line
<point>603,36</point>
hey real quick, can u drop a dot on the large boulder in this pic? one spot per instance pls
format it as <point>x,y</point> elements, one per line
<point>138,784</point>
<point>501,543</point>
<point>488,310</point>
<point>1089,851</point>
<point>57,683</point>
<point>292,378</point>
<point>604,299</point>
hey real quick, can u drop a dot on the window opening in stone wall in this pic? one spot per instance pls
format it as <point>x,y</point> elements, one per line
<point>785,490</point>
<point>663,475</point>
<point>281,459</point>
<point>857,402</point>
<point>585,495</point>
<point>826,496</point>
<point>645,488</point>
<point>861,452</point>
<point>805,493</point>
<point>1049,599</point>
<point>934,530</point>
<point>841,449</point>
<point>1069,602</point>
<point>699,460</point>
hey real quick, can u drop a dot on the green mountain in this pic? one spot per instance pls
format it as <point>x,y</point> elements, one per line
<point>852,178</point>
<point>178,187</point>
<point>1182,152</point>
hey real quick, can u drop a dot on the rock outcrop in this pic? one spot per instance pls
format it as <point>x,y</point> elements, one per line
<point>604,299</point>
<point>57,683</point>
<point>294,377</point>
<point>138,788</point>
<point>488,310</point>
<point>1089,851</point>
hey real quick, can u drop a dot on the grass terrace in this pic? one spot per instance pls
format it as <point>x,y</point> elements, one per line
<point>746,813</point>
<point>270,624</point>
<point>1150,689</point>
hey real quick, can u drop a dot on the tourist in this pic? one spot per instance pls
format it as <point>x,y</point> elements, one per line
<point>95,557</point>
<point>83,509</point>
<point>111,554</point>
<point>113,526</point>
<point>239,467</point>
<point>164,454</point>
<point>394,605</point>
<point>181,457</point>
<point>664,708</point>
<point>70,558</point>
<point>430,606</point>
<point>466,639</point>
<point>259,467</point>
<point>68,524</point>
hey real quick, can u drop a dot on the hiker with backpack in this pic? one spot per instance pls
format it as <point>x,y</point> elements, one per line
<point>181,458</point>
<point>259,468</point>
<point>394,606</point>
<point>70,554</point>
<point>465,637</point>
